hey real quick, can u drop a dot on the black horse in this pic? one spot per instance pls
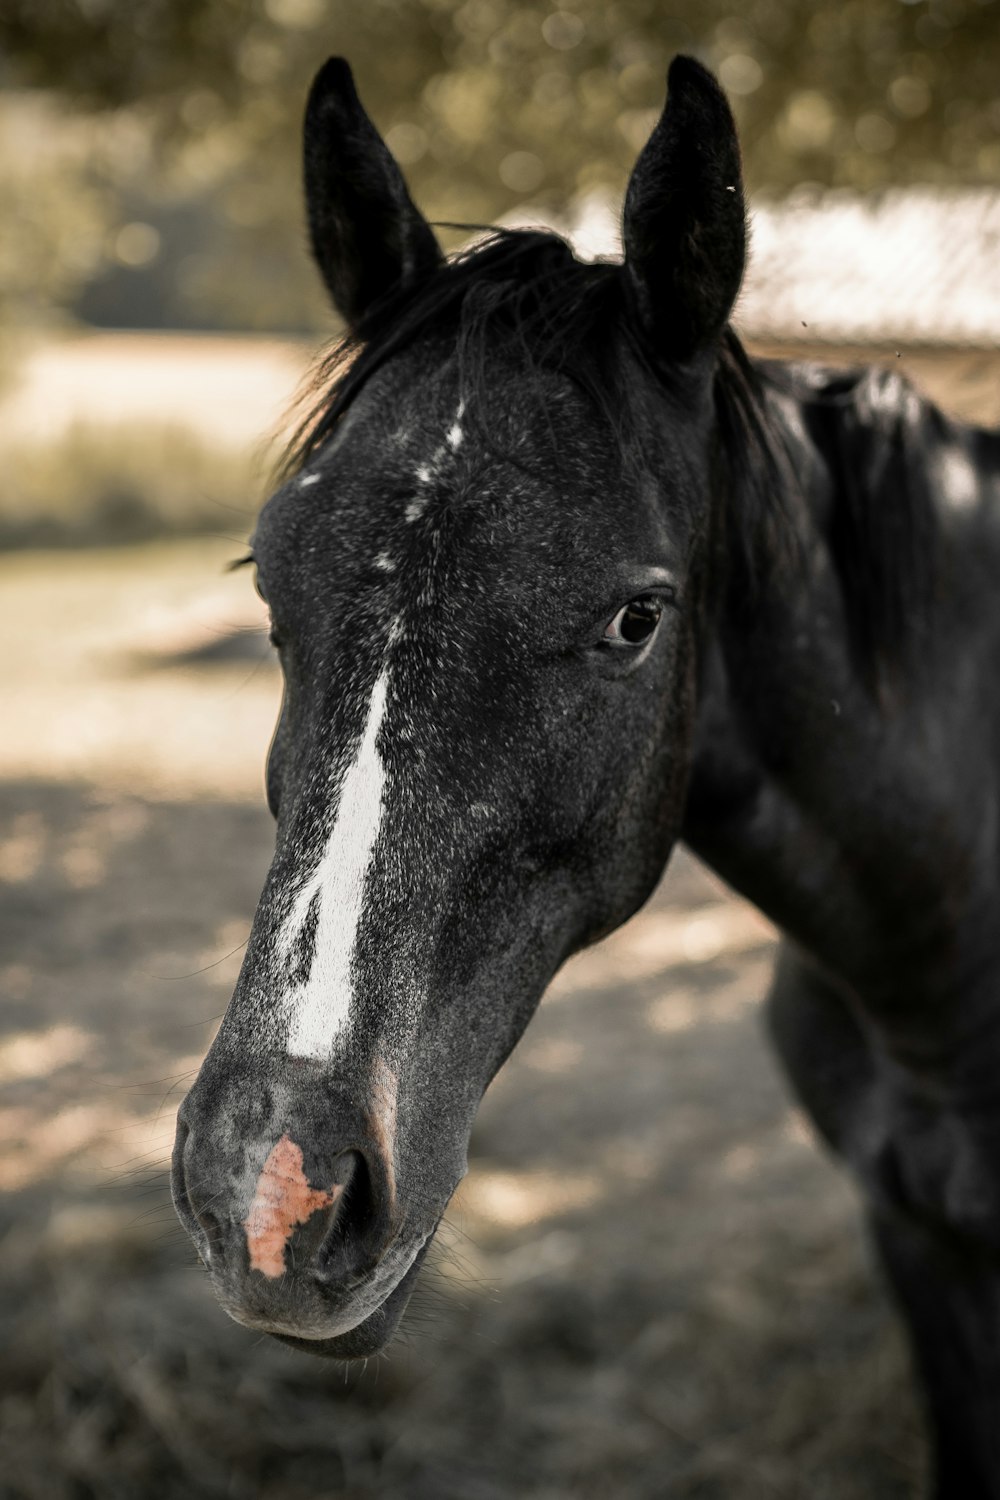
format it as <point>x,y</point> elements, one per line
<point>558,577</point>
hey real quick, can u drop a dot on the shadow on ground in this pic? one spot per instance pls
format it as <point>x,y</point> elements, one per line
<point>651,1284</point>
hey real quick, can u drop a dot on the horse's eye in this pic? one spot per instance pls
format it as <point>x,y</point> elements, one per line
<point>633,625</point>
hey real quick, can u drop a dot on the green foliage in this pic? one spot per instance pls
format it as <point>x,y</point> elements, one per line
<point>487,103</point>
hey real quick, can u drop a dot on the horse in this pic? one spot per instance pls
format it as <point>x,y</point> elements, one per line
<point>560,576</point>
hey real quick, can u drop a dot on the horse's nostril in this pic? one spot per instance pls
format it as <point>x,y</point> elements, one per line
<point>344,1250</point>
<point>212,1231</point>
<point>291,1233</point>
<point>178,1177</point>
<point>203,1227</point>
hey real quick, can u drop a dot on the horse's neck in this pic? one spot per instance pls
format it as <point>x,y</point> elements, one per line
<point>854,820</point>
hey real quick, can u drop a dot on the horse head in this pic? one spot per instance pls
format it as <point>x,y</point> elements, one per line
<point>487,579</point>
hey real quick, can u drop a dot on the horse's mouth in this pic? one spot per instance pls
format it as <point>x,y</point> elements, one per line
<point>373,1333</point>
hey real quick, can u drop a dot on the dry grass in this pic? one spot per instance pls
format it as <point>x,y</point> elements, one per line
<point>115,484</point>
<point>582,1373</point>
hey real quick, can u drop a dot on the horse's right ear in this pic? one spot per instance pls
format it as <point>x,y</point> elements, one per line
<point>367,235</point>
<point>684,223</point>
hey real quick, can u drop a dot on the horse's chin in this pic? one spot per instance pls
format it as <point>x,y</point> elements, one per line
<point>373,1333</point>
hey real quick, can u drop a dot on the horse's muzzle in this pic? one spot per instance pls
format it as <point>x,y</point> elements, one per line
<point>301,1240</point>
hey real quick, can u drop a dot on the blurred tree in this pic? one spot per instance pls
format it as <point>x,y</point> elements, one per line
<point>486,103</point>
<point>54,221</point>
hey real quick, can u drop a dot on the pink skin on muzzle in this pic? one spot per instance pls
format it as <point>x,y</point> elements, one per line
<point>282,1200</point>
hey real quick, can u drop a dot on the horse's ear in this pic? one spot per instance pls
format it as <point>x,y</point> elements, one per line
<point>366,233</point>
<point>684,224</point>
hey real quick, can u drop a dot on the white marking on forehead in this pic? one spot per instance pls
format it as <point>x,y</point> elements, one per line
<point>431,470</point>
<point>455,433</point>
<point>415,509</point>
<point>385,563</point>
<point>320,1008</point>
<point>958,477</point>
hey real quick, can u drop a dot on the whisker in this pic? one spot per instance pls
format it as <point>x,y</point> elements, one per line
<point>170,978</point>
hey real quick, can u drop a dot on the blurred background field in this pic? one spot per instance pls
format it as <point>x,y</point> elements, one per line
<point>113,438</point>
<point>652,1283</point>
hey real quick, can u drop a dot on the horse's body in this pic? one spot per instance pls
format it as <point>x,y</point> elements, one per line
<point>562,578</point>
<point>865,825</point>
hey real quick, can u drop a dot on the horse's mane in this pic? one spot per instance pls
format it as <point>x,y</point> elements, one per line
<point>875,434</point>
<point>526,288</point>
<point>522,288</point>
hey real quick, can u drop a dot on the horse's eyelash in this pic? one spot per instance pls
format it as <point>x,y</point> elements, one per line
<point>245,562</point>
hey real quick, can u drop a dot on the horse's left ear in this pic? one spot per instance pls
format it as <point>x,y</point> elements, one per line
<point>684,224</point>
<point>367,235</point>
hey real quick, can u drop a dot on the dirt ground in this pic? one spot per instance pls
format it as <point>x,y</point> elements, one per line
<point>651,1284</point>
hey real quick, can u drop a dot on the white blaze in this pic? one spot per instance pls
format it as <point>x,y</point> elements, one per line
<point>320,1008</point>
